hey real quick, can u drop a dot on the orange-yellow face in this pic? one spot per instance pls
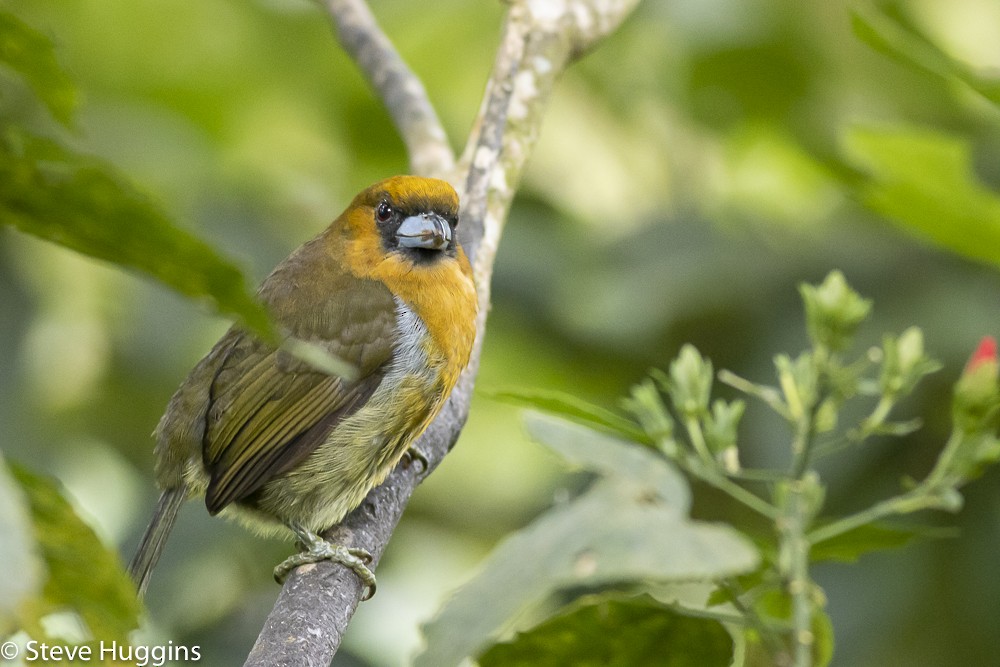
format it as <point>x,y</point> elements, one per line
<point>402,232</point>
<point>409,216</point>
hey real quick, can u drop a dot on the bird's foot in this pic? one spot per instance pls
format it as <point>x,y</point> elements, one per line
<point>414,456</point>
<point>316,549</point>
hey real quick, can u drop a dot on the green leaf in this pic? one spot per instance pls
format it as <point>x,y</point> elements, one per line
<point>822,628</point>
<point>571,407</point>
<point>923,181</point>
<point>625,632</point>
<point>625,463</point>
<point>724,593</point>
<point>776,605</point>
<point>848,547</point>
<point>18,551</point>
<point>84,575</point>
<point>629,527</point>
<point>891,37</point>
<point>31,54</point>
<point>75,201</point>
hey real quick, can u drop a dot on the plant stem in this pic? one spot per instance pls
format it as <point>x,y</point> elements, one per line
<point>796,515</point>
<point>697,437</point>
<point>695,612</point>
<point>943,465</point>
<point>920,498</point>
<point>769,395</point>
<point>757,475</point>
<point>708,473</point>
<point>805,432</point>
<point>795,547</point>
<point>713,478</point>
<point>927,495</point>
<point>737,492</point>
<point>872,422</point>
<point>805,436</point>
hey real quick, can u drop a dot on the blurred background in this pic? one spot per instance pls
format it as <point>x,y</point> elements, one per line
<point>691,172</point>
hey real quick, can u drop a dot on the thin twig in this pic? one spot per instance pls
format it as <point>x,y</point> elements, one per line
<point>737,492</point>
<point>920,498</point>
<point>488,143</point>
<point>400,89</point>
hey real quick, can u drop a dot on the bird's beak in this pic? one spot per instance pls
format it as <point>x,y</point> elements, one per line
<point>426,230</point>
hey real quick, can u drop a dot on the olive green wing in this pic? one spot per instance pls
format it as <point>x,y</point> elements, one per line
<point>269,411</point>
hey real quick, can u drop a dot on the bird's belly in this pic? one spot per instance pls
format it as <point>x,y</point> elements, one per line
<point>358,455</point>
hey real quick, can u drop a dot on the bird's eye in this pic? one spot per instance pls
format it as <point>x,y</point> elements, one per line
<point>383,212</point>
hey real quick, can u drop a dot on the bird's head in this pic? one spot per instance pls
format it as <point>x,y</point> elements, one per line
<point>401,232</point>
<point>410,216</point>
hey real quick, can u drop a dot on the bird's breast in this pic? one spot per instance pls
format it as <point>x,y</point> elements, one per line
<point>409,395</point>
<point>415,352</point>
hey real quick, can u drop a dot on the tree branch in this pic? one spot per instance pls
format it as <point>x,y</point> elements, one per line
<point>540,39</point>
<point>401,91</point>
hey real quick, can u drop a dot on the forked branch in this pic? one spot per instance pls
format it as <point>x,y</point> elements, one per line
<point>540,39</point>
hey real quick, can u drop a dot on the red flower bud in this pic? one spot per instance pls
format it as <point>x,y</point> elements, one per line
<point>986,352</point>
<point>977,392</point>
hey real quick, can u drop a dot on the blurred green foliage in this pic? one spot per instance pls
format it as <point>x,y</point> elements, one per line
<point>691,171</point>
<point>923,180</point>
<point>56,195</point>
<point>82,575</point>
<point>630,527</point>
<point>617,633</point>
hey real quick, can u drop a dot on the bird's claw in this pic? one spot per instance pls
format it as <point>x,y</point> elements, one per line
<point>415,456</point>
<point>318,549</point>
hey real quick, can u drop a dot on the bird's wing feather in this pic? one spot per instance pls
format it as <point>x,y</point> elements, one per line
<point>269,411</point>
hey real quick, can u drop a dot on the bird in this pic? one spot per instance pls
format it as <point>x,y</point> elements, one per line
<point>270,440</point>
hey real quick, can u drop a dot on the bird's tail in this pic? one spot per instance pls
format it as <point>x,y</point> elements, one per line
<point>155,537</point>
